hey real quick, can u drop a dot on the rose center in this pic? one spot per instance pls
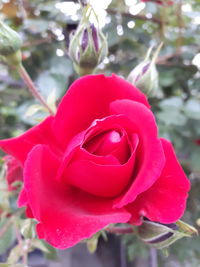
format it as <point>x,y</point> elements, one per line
<point>104,143</point>
<point>103,163</point>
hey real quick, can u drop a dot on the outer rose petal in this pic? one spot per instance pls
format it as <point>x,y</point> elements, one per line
<point>165,201</point>
<point>14,172</point>
<point>150,158</point>
<point>23,201</point>
<point>89,98</point>
<point>20,146</point>
<point>66,215</point>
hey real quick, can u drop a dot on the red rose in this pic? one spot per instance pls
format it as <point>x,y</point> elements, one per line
<point>98,161</point>
<point>14,171</point>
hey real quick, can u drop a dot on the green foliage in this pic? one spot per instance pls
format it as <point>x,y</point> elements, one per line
<point>7,239</point>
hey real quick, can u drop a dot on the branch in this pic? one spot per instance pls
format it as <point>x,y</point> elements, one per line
<point>138,17</point>
<point>38,42</point>
<point>163,59</point>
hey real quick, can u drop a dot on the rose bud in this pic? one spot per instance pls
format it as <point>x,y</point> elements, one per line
<point>87,48</point>
<point>98,161</point>
<point>145,75</point>
<point>10,44</point>
<point>163,235</point>
<point>10,41</point>
<point>14,172</point>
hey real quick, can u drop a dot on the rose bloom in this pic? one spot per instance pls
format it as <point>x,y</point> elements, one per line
<point>98,161</point>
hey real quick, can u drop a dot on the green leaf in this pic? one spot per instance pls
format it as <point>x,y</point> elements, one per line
<point>93,242</point>
<point>192,109</point>
<point>56,79</point>
<point>35,117</point>
<point>34,109</point>
<point>28,228</point>
<point>52,252</point>
<point>172,116</point>
<point>40,245</point>
<point>8,238</point>
<point>171,103</point>
<point>15,255</point>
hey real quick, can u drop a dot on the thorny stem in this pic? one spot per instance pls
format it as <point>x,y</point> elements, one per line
<point>32,88</point>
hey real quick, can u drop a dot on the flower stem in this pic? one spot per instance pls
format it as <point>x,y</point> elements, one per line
<point>32,88</point>
<point>153,257</point>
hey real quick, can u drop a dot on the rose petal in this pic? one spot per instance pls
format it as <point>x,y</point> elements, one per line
<point>86,173</point>
<point>87,99</point>
<point>14,171</point>
<point>110,143</point>
<point>20,146</point>
<point>66,215</point>
<point>97,126</point>
<point>101,176</point>
<point>165,201</point>
<point>150,156</point>
<point>23,201</point>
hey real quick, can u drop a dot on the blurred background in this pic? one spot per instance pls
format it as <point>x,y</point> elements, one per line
<point>131,27</point>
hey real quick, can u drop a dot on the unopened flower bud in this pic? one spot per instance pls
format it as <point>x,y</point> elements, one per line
<point>145,75</point>
<point>160,236</point>
<point>10,44</point>
<point>10,41</point>
<point>88,48</point>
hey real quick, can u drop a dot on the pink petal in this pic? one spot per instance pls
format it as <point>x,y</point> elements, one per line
<point>20,146</point>
<point>88,99</point>
<point>165,201</point>
<point>150,158</point>
<point>66,215</point>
